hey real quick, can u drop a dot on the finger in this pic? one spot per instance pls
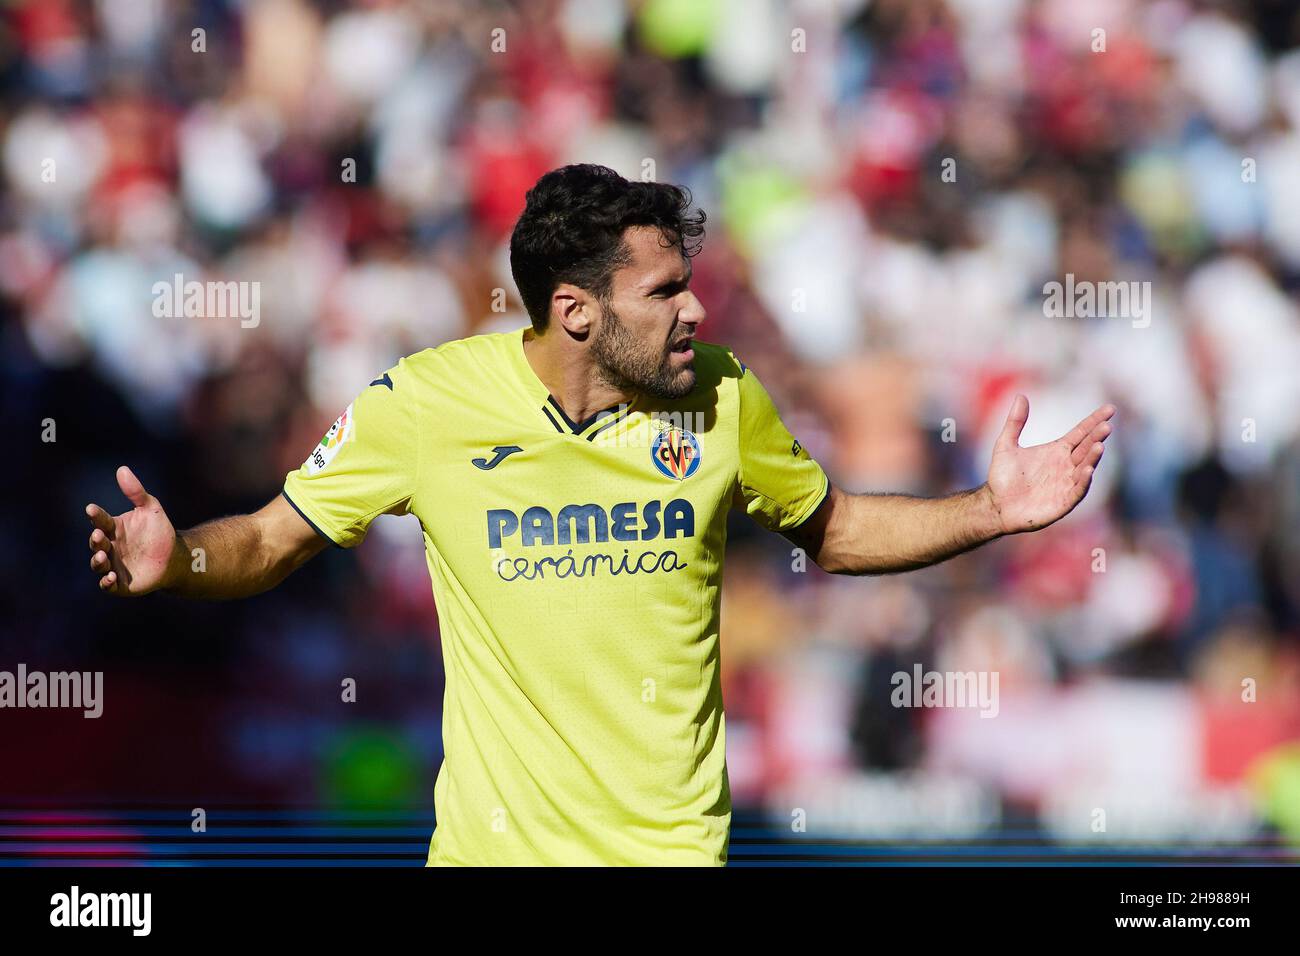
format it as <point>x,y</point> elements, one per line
<point>101,519</point>
<point>1009,437</point>
<point>100,542</point>
<point>1084,481</point>
<point>1092,456</point>
<point>99,563</point>
<point>1081,431</point>
<point>131,487</point>
<point>1098,434</point>
<point>107,582</point>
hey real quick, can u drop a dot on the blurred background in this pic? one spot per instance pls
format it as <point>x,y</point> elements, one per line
<point>889,186</point>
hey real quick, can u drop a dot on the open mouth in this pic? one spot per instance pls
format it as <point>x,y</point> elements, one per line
<point>683,347</point>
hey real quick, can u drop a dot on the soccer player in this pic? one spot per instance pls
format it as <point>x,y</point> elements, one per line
<point>572,480</point>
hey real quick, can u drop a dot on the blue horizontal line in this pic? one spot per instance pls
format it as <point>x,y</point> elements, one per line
<point>836,849</point>
<point>361,822</point>
<point>991,836</point>
<point>218,833</point>
<point>89,849</point>
<point>1068,848</point>
<point>88,863</point>
<point>186,813</point>
<point>223,839</point>
<point>998,864</point>
<point>419,851</point>
<point>739,836</point>
<point>67,817</point>
<point>213,831</point>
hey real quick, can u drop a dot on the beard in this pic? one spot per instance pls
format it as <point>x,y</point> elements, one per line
<point>626,363</point>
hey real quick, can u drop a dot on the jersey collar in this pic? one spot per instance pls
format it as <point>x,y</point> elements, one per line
<point>589,427</point>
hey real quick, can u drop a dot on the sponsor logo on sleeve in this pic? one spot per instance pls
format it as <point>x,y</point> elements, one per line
<point>323,454</point>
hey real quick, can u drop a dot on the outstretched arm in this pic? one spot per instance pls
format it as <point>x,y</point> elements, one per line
<point>139,551</point>
<point>1027,489</point>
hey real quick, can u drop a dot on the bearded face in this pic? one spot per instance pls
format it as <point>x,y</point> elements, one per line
<point>656,363</point>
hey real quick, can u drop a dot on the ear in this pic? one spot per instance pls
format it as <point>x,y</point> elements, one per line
<point>574,309</point>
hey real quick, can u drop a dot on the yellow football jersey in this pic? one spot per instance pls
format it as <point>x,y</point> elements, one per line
<point>577,570</point>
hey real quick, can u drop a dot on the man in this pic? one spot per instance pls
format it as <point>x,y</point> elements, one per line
<point>573,481</point>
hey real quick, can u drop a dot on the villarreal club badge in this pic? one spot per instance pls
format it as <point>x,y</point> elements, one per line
<point>676,453</point>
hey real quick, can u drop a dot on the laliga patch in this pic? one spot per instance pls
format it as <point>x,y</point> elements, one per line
<point>329,446</point>
<point>676,453</point>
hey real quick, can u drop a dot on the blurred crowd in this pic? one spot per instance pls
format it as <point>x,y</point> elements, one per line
<point>889,185</point>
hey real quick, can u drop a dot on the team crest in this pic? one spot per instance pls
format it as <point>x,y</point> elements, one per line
<point>329,446</point>
<point>676,453</point>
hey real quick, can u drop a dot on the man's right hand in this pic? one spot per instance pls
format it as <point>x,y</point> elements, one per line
<point>131,553</point>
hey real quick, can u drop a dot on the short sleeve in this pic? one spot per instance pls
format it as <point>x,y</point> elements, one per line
<point>366,465</point>
<point>780,483</point>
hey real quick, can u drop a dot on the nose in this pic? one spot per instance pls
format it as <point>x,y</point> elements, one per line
<point>692,313</point>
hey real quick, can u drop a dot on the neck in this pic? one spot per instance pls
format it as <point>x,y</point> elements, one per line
<point>567,370</point>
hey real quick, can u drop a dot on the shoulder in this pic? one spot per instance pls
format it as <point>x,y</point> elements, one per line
<point>716,366</point>
<point>455,364</point>
<point>722,373</point>
<point>466,351</point>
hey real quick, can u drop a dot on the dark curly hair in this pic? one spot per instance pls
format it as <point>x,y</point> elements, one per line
<point>572,228</point>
